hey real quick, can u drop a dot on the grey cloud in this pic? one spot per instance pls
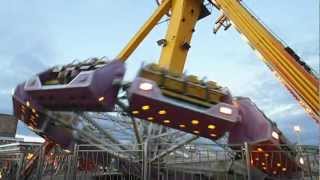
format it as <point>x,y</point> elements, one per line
<point>26,63</point>
<point>25,46</point>
<point>20,68</point>
<point>309,130</point>
<point>309,52</point>
<point>280,106</point>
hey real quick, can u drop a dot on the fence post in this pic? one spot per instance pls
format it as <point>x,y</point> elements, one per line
<point>248,158</point>
<point>20,163</point>
<point>40,162</point>
<point>309,166</point>
<point>73,163</point>
<point>145,160</point>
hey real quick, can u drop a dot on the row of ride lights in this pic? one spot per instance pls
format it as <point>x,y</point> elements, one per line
<point>167,121</point>
<point>275,135</point>
<point>145,86</point>
<point>301,161</point>
<point>284,169</point>
<point>33,116</point>
<point>32,119</point>
<point>224,110</point>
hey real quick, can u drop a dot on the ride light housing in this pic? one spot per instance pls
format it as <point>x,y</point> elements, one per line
<point>275,135</point>
<point>145,86</point>
<point>225,110</point>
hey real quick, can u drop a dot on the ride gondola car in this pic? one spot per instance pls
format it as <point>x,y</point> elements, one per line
<point>271,152</point>
<point>88,86</point>
<point>182,103</point>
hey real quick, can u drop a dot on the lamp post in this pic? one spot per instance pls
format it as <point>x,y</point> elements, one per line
<point>297,130</point>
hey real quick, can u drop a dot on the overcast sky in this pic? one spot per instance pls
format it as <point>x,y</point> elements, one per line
<point>37,34</point>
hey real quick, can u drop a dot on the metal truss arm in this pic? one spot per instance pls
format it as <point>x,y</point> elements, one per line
<point>105,133</point>
<point>144,30</point>
<point>285,64</point>
<point>173,148</point>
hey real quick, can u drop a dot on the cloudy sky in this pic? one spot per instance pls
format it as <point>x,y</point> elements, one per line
<point>37,34</point>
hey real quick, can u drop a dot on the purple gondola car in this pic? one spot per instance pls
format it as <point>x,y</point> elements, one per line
<point>32,114</point>
<point>94,90</point>
<point>148,103</point>
<point>269,147</point>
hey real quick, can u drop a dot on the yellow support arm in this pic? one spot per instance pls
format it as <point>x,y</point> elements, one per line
<point>301,83</point>
<point>144,30</point>
<point>184,15</point>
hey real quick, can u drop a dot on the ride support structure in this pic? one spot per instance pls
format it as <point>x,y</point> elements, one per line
<point>287,66</point>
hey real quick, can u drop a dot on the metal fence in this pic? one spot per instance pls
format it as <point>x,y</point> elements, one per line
<point>196,162</point>
<point>9,165</point>
<point>150,162</point>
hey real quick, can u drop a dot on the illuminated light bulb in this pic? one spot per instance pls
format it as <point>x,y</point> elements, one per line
<point>37,115</point>
<point>167,121</point>
<point>211,126</point>
<point>33,110</point>
<point>259,149</point>
<point>196,132</point>
<point>213,135</point>
<point>266,155</point>
<point>146,107</point>
<point>264,168</point>
<point>257,159</point>
<point>28,104</point>
<point>101,98</point>
<point>263,163</point>
<point>278,164</point>
<point>225,110</point>
<point>182,126</point>
<point>67,151</point>
<point>301,161</point>
<point>284,169</point>
<point>275,135</point>
<point>135,112</point>
<point>297,128</point>
<point>29,156</point>
<point>150,118</point>
<point>194,122</point>
<point>145,86</point>
<point>162,112</point>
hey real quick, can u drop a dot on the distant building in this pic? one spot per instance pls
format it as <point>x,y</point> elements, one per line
<point>8,128</point>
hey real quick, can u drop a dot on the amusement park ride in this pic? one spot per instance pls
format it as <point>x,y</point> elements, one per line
<point>162,94</point>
